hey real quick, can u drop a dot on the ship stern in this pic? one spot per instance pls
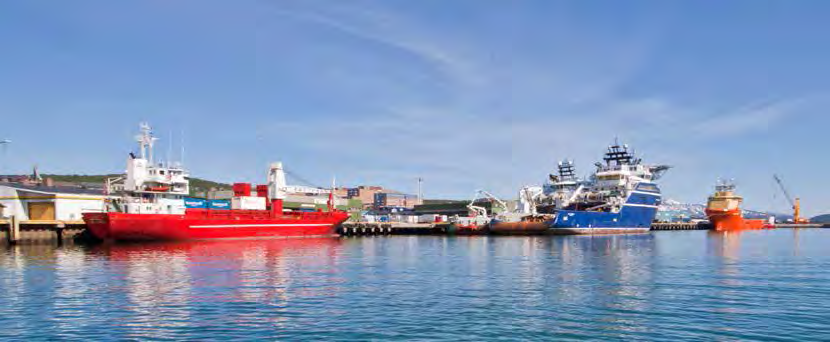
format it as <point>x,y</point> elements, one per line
<point>98,224</point>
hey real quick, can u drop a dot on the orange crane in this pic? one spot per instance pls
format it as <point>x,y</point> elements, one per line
<point>796,204</point>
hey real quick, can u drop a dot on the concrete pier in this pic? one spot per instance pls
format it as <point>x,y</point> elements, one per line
<point>14,231</point>
<point>392,228</point>
<point>681,226</point>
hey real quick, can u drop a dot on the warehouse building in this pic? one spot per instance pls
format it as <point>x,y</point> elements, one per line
<point>44,203</point>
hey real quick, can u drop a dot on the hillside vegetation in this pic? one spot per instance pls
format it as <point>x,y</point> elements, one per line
<point>196,184</point>
<point>821,219</point>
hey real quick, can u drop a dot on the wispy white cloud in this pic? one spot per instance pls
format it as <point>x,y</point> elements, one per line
<point>383,28</point>
<point>518,113</point>
<point>383,92</point>
<point>754,118</point>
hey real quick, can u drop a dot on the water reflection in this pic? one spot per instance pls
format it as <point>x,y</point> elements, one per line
<point>725,244</point>
<point>623,265</point>
<point>166,282</point>
<point>608,277</point>
<point>694,284</point>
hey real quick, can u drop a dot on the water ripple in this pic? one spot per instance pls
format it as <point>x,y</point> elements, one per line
<point>664,286</point>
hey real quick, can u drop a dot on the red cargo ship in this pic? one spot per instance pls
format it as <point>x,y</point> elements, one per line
<point>724,210</point>
<point>151,204</point>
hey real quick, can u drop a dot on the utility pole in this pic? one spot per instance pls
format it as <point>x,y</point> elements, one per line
<point>4,143</point>
<point>420,191</point>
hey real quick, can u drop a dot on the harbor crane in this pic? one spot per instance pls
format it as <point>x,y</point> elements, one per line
<point>796,204</point>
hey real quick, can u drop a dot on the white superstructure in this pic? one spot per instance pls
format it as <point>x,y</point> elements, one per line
<point>561,189</point>
<point>147,187</point>
<point>608,188</point>
<point>614,181</point>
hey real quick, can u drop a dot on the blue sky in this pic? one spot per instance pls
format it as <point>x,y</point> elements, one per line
<point>466,94</point>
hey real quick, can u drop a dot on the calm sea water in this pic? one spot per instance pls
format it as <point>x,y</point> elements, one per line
<point>763,285</point>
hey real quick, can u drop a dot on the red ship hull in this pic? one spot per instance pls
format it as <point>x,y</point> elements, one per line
<point>733,220</point>
<point>212,224</point>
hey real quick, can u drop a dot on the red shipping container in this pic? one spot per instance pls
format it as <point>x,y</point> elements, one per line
<point>262,191</point>
<point>241,189</point>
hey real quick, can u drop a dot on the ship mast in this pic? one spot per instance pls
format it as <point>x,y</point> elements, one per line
<point>146,140</point>
<point>567,171</point>
<point>618,154</point>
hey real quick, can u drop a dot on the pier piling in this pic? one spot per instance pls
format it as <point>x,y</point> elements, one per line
<point>14,230</point>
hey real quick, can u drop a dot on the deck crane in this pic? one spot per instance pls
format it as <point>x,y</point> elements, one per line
<point>494,199</point>
<point>477,210</point>
<point>796,204</point>
<point>481,211</point>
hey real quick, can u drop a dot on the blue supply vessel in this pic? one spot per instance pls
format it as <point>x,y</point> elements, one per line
<point>634,216</point>
<point>621,196</point>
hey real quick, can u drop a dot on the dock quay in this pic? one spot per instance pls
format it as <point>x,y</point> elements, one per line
<point>392,228</point>
<point>13,231</point>
<point>681,226</point>
<point>801,225</point>
<point>397,228</point>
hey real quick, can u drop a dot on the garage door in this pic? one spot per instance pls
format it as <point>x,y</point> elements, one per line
<point>41,211</point>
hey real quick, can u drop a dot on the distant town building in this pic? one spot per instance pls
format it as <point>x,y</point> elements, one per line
<point>373,196</point>
<point>388,199</point>
<point>27,180</point>
<point>365,194</point>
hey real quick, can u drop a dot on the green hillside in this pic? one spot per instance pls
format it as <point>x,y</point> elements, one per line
<point>821,219</point>
<point>202,185</point>
<point>196,184</point>
<point>442,201</point>
<point>79,178</point>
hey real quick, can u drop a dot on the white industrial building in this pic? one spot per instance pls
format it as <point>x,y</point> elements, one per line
<point>41,203</point>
